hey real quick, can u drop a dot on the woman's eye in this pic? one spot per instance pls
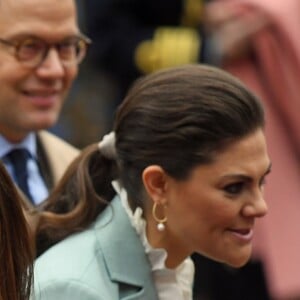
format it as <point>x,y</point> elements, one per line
<point>234,188</point>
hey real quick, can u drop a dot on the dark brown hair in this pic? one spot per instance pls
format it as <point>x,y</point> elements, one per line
<point>178,119</point>
<point>16,253</point>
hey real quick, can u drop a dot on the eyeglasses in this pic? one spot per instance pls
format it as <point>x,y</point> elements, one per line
<point>32,51</point>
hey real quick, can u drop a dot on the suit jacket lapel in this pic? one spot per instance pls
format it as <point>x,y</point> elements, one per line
<point>58,154</point>
<point>124,254</point>
<point>44,166</point>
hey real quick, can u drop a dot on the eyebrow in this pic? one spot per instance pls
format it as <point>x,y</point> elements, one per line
<point>269,169</point>
<point>25,35</point>
<point>246,177</point>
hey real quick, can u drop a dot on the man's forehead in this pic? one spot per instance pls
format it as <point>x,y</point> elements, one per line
<point>49,16</point>
<point>23,7</point>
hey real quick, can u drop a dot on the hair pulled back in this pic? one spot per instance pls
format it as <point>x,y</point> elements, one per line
<point>178,119</point>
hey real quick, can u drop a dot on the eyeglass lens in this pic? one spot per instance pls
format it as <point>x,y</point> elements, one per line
<point>71,51</point>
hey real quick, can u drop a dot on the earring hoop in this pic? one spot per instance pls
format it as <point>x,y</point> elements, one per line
<point>160,222</point>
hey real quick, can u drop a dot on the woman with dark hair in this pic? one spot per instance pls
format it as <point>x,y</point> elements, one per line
<point>182,172</point>
<point>16,251</point>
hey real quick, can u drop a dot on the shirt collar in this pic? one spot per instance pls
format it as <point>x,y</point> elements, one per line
<point>157,256</point>
<point>28,143</point>
<point>170,283</point>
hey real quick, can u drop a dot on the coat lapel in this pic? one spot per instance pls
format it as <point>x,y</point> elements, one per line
<point>124,254</point>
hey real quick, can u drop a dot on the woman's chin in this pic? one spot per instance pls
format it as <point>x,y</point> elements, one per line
<point>237,261</point>
<point>235,257</point>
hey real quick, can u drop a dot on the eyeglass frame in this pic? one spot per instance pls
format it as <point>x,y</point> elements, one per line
<point>48,46</point>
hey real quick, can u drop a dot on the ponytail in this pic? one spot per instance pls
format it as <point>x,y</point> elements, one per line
<point>83,192</point>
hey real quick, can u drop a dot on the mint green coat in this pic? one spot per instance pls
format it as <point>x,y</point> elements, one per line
<point>105,262</point>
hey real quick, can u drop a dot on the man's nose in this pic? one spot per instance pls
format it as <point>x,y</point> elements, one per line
<point>51,66</point>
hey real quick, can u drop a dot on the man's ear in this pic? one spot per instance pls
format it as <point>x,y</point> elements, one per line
<point>155,183</point>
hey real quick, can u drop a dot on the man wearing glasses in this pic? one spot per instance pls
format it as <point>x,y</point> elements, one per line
<point>40,50</point>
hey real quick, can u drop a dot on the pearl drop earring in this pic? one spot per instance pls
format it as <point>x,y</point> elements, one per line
<point>161,227</point>
<point>160,222</point>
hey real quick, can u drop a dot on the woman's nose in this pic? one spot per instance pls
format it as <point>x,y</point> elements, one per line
<point>257,207</point>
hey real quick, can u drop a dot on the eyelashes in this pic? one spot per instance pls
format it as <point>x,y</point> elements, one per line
<point>234,188</point>
<point>238,187</point>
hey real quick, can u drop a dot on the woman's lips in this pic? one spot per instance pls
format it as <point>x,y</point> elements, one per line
<point>243,234</point>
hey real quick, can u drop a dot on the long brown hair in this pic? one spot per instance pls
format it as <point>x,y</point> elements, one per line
<point>178,118</point>
<point>16,251</point>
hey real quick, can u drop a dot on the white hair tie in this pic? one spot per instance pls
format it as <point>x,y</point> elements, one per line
<point>107,146</point>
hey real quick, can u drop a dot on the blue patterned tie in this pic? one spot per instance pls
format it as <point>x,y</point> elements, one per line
<point>18,158</point>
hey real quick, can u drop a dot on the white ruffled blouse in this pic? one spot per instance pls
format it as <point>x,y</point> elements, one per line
<point>170,283</point>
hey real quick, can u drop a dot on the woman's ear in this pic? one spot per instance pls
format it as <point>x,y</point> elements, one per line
<point>155,183</point>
